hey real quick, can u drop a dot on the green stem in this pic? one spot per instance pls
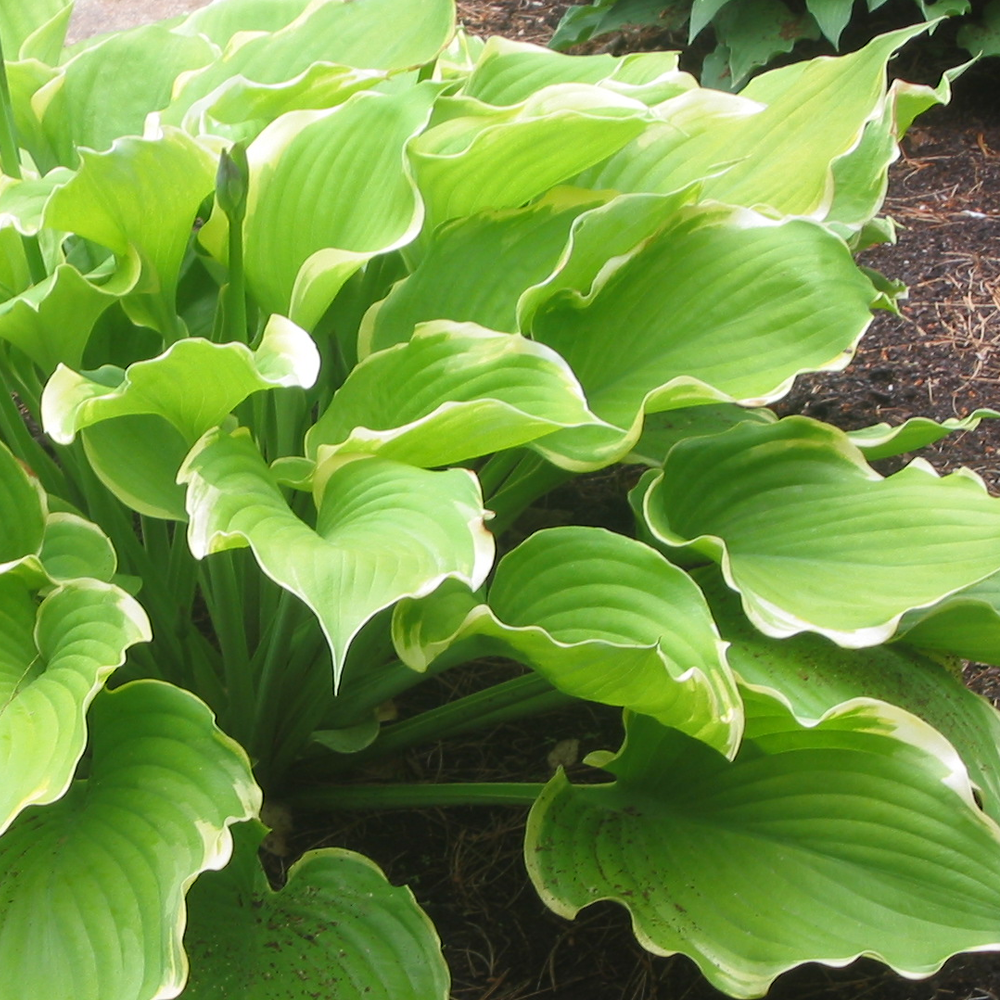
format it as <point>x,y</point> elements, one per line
<point>236,294</point>
<point>278,653</point>
<point>378,686</point>
<point>421,796</point>
<point>21,441</point>
<point>531,479</point>
<point>223,596</point>
<point>10,159</point>
<point>511,700</point>
<point>497,468</point>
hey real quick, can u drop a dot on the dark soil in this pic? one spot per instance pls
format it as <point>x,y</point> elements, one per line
<point>941,358</point>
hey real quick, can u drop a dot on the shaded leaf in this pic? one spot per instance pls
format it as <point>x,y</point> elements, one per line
<point>336,928</point>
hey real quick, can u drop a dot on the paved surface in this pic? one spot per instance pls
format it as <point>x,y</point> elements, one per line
<point>95,17</point>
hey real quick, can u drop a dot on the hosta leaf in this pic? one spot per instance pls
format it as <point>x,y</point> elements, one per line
<point>193,385</point>
<point>336,928</point>
<point>74,548</point>
<point>137,458</point>
<point>107,90</point>
<point>702,12</point>
<point>18,21</point>
<point>661,431</point>
<point>384,531</point>
<point>784,154</point>
<point>772,300</point>
<point>141,196</point>
<point>96,881</point>
<point>509,72</point>
<point>601,617</point>
<point>348,34</point>
<point>24,507</point>
<point>542,142</point>
<point>855,836</point>
<point>454,391</point>
<point>581,23</point>
<point>22,202</point>
<point>812,676</point>
<point>966,623</point>
<point>497,268</point>
<point>25,79</point>
<point>53,661</point>
<point>240,109</point>
<point>221,19</point>
<point>476,268</point>
<point>52,321</point>
<point>343,174</point>
<point>812,537</point>
<point>882,440</point>
<point>982,37</point>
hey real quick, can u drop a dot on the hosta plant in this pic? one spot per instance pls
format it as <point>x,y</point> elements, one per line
<point>305,304</point>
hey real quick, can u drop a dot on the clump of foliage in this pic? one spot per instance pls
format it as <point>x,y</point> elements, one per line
<point>750,35</point>
<point>310,302</point>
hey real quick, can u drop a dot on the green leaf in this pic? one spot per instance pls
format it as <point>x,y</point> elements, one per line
<point>96,881</point>
<point>221,19</point>
<point>52,321</point>
<point>53,661</point>
<point>19,21</point>
<point>336,928</point>
<point>601,617</point>
<point>240,109</point>
<point>343,173</point>
<point>137,458</point>
<point>812,676</point>
<point>475,269</point>
<point>661,431</point>
<point>490,158</point>
<point>831,16</point>
<point>756,33</point>
<point>855,836</point>
<point>384,531</point>
<point>73,548</point>
<point>455,391</point>
<point>23,502</point>
<point>812,537</point>
<point>702,13</point>
<point>107,90</point>
<point>983,38</point>
<point>772,300</point>
<point>882,440</point>
<point>498,268</point>
<point>776,144</point>
<point>346,34</point>
<point>510,72</point>
<point>965,624</point>
<point>193,385</point>
<point>141,196</point>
